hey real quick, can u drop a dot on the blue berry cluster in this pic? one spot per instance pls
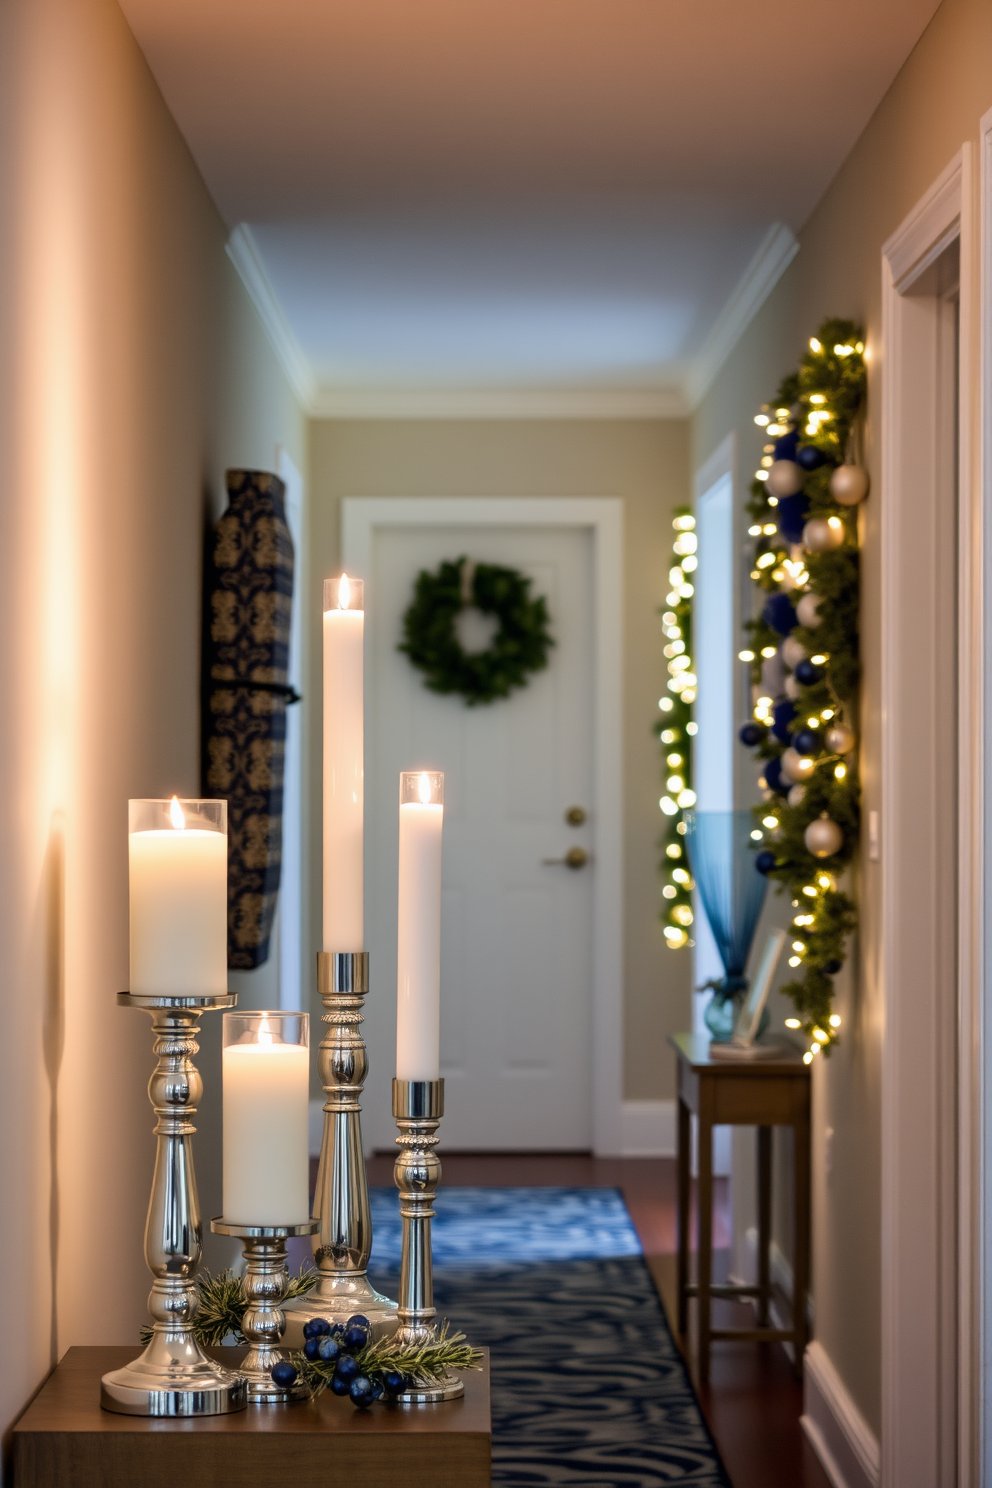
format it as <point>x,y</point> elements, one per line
<point>339,1344</point>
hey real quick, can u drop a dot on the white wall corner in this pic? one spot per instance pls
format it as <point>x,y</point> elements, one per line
<point>766,268</point>
<point>839,1434</point>
<point>243,252</point>
<point>648,1128</point>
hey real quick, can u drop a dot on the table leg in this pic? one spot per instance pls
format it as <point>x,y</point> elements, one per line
<point>800,1265</point>
<point>705,1269</point>
<point>684,1154</point>
<point>764,1221</point>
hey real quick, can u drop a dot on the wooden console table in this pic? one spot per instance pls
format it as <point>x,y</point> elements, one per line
<point>65,1438</point>
<point>762,1093</point>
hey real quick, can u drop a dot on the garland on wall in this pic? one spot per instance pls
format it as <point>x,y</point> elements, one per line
<point>803,651</point>
<point>675,730</point>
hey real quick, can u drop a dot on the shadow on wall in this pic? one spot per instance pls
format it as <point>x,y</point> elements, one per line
<point>53,1037</point>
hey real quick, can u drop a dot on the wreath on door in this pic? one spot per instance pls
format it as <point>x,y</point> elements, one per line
<point>519,647</point>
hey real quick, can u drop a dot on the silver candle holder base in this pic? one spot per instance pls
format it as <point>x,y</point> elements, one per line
<point>266,1284</point>
<point>341,1199</point>
<point>418,1106</point>
<point>174,1377</point>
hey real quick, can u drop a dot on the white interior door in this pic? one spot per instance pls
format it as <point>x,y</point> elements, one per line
<point>517,962</point>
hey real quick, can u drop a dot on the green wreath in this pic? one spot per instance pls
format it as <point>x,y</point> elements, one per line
<point>519,647</point>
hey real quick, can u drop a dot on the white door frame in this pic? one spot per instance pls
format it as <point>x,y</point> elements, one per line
<point>603,517</point>
<point>930,1303</point>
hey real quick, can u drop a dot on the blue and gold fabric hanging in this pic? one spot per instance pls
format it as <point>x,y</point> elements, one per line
<point>245,684</point>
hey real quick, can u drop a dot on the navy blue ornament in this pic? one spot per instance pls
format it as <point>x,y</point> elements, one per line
<point>764,861</point>
<point>359,1320</point>
<point>340,1386</point>
<point>376,1387</point>
<point>806,742</point>
<point>361,1390</point>
<point>773,776</point>
<point>791,514</point>
<point>284,1373</point>
<point>782,715</point>
<point>809,457</point>
<point>328,1348</point>
<point>751,734</point>
<point>779,613</point>
<point>785,448</point>
<point>355,1336</point>
<point>807,673</point>
<point>832,967</point>
<point>394,1382</point>
<point>318,1327</point>
<point>347,1368</point>
<point>311,1348</point>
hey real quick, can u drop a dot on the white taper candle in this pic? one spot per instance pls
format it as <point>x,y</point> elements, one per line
<point>344,744</point>
<point>418,963</point>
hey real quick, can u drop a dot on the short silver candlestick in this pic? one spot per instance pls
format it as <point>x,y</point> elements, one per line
<point>341,1200</point>
<point>418,1106</point>
<point>174,1377</point>
<point>266,1283</point>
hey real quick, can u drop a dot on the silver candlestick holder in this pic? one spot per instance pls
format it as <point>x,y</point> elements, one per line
<point>266,1284</point>
<point>341,1200</point>
<point>418,1106</point>
<point>174,1377</point>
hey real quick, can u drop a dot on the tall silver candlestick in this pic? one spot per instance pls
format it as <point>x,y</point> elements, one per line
<point>264,1323</point>
<point>174,1377</point>
<point>418,1106</point>
<point>341,1201</point>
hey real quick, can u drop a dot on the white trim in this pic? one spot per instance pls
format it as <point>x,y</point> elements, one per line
<point>841,1437</point>
<point>604,517</point>
<point>648,1128</point>
<point>766,268</point>
<point>719,463</point>
<point>928,1085</point>
<point>243,252</point>
<point>498,403</point>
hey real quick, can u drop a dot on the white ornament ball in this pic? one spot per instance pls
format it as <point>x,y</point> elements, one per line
<point>840,739</point>
<point>796,766</point>
<point>792,652</point>
<point>785,478</point>
<point>791,688</point>
<point>807,611</point>
<point>849,484</point>
<point>796,795</point>
<point>823,837</point>
<point>773,674</point>
<point>821,535</point>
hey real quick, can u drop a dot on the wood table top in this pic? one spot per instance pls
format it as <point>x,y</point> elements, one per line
<point>694,1048</point>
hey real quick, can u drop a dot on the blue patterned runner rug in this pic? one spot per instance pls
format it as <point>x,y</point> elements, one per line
<point>588,1388</point>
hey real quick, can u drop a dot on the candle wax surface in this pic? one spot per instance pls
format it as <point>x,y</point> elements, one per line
<point>178,913</point>
<point>266,1146</point>
<point>344,783</point>
<point>418,962</point>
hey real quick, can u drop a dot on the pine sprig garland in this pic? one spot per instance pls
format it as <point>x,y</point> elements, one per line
<point>424,1363</point>
<point>675,730</point>
<point>819,403</point>
<point>223,1302</point>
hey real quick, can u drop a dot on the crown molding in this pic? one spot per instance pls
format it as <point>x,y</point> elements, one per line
<point>498,403</point>
<point>766,268</point>
<point>244,255</point>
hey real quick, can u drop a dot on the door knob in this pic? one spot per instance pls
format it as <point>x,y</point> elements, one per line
<point>576,857</point>
<point>575,816</point>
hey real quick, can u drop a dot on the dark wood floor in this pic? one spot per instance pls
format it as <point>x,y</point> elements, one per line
<point>752,1402</point>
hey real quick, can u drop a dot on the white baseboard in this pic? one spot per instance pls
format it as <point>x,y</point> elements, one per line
<point>648,1128</point>
<point>840,1436</point>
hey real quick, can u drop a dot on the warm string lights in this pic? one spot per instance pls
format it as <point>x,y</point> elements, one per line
<point>675,730</point>
<point>802,648</point>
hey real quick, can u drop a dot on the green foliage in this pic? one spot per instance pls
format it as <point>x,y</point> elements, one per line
<point>519,647</point>
<point>222,1304</point>
<point>423,1363</point>
<point>674,730</point>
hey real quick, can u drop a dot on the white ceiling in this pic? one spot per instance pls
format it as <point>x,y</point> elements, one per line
<point>517,205</point>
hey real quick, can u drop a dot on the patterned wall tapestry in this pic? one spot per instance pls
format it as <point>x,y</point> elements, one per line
<point>249,598</point>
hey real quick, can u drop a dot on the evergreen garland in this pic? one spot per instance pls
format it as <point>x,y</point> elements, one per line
<point>820,404</point>
<point>222,1304</point>
<point>675,731</point>
<point>418,1363</point>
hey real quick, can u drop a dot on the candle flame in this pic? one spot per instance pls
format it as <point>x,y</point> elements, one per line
<point>425,789</point>
<point>344,592</point>
<point>265,1032</point>
<point>176,815</point>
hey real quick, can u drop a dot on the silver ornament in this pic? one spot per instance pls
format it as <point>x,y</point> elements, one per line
<point>807,611</point>
<point>785,478</point>
<point>840,739</point>
<point>796,766</point>
<point>791,688</point>
<point>822,534</point>
<point>772,674</point>
<point>823,837</point>
<point>849,484</point>
<point>792,652</point>
<point>796,795</point>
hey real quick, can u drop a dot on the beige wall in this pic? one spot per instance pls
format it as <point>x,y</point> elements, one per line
<point>120,319</point>
<point>933,106</point>
<point>645,463</point>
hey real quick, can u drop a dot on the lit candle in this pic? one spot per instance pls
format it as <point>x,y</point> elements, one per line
<point>177,869</point>
<point>344,786</point>
<point>266,1093</point>
<point>418,966</point>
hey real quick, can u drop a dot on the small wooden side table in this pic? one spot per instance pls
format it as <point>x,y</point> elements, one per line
<point>762,1093</point>
<point>65,1438</point>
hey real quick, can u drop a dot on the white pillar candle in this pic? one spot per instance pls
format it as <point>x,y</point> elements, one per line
<point>344,769</point>
<point>418,967</point>
<point>266,1095</point>
<point>177,869</point>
